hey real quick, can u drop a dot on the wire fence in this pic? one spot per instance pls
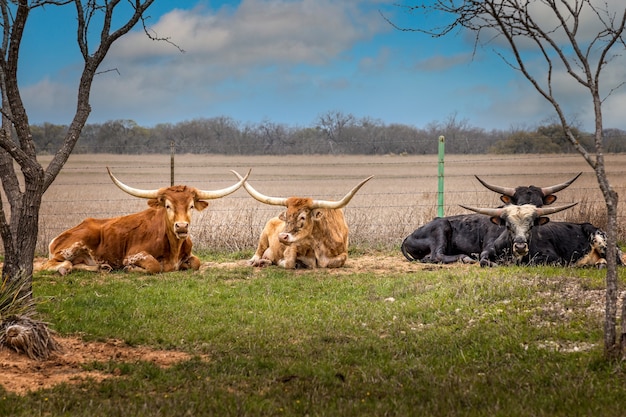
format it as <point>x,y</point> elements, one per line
<point>401,197</point>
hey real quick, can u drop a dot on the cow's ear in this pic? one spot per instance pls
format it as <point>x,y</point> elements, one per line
<point>496,220</point>
<point>201,205</point>
<point>505,199</point>
<point>549,199</point>
<point>317,215</point>
<point>542,220</point>
<point>283,216</point>
<point>154,202</point>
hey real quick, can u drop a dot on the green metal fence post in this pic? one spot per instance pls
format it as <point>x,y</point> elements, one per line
<point>442,143</point>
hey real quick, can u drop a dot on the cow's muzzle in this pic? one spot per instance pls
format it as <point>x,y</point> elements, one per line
<point>285,238</point>
<point>520,248</point>
<point>181,229</point>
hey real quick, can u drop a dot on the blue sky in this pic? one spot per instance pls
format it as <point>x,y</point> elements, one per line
<point>288,62</point>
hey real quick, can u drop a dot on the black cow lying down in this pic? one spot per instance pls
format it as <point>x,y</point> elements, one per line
<point>469,236</point>
<point>460,238</point>
<point>569,244</point>
<point>488,235</point>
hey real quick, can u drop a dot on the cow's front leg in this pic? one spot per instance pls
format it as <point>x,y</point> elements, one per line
<point>142,262</point>
<point>192,262</point>
<point>332,262</point>
<point>289,258</point>
<point>262,260</point>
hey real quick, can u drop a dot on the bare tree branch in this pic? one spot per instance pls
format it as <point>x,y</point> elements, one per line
<point>553,30</point>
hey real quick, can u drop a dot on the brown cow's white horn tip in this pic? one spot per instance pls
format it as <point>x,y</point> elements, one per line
<point>136,192</point>
<point>239,175</point>
<point>344,201</point>
<point>211,195</point>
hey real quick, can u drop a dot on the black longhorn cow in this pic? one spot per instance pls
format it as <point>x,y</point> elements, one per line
<point>466,237</point>
<point>519,223</point>
<point>528,195</point>
<point>505,230</point>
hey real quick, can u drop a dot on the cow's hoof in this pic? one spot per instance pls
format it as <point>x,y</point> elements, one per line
<point>260,263</point>
<point>468,260</point>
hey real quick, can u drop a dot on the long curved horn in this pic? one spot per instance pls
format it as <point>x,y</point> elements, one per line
<point>201,194</point>
<point>344,201</point>
<point>274,201</point>
<point>543,211</point>
<point>496,188</point>
<point>136,192</point>
<point>281,201</point>
<point>493,212</point>
<point>555,188</point>
<point>545,190</point>
<point>211,195</point>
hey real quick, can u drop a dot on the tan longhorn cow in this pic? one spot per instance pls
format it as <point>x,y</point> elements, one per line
<point>309,233</point>
<point>152,241</point>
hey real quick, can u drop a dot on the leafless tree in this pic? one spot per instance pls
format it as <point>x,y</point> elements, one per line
<point>19,226</point>
<point>333,124</point>
<point>576,38</point>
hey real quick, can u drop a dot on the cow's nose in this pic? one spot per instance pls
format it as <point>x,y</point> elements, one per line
<point>181,226</point>
<point>520,247</point>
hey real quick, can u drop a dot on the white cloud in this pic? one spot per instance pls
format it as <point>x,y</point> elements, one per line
<point>228,49</point>
<point>258,32</point>
<point>49,101</point>
<point>443,62</point>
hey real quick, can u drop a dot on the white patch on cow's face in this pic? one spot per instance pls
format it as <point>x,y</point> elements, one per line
<point>519,221</point>
<point>179,217</point>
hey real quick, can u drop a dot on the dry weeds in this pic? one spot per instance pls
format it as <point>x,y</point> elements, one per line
<point>401,197</point>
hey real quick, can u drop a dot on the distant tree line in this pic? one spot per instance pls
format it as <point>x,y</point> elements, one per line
<point>331,133</point>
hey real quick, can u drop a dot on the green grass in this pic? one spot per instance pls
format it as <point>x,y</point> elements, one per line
<point>450,342</point>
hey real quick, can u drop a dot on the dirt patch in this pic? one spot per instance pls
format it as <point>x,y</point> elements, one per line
<point>20,374</point>
<point>373,263</point>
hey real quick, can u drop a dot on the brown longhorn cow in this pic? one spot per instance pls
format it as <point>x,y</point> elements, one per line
<point>152,241</point>
<point>309,233</point>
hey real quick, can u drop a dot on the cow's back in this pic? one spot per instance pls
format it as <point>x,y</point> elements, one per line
<point>88,232</point>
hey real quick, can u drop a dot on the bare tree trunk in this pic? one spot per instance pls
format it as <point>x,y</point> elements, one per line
<point>19,234</point>
<point>551,28</point>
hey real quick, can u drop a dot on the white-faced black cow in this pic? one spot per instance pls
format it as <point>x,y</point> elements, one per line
<point>558,243</point>
<point>502,231</point>
<point>466,237</point>
<point>519,222</point>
